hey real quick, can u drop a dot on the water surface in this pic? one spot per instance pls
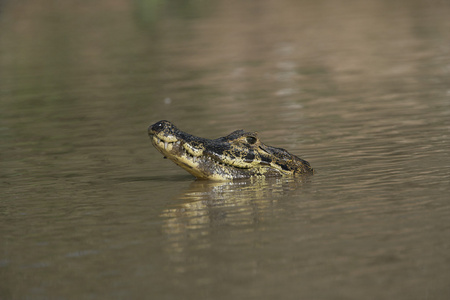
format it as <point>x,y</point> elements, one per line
<point>90,210</point>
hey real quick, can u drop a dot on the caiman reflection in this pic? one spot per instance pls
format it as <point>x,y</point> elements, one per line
<point>195,217</point>
<point>238,155</point>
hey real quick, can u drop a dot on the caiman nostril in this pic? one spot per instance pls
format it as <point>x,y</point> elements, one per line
<point>155,128</point>
<point>158,126</point>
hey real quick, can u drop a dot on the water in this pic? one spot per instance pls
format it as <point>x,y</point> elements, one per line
<point>89,210</point>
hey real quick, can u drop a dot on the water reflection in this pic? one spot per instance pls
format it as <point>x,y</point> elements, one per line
<point>208,205</point>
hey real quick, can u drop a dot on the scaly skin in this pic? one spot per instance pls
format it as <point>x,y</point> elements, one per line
<point>238,155</point>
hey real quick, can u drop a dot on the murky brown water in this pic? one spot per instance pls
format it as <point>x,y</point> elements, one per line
<point>89,210</point>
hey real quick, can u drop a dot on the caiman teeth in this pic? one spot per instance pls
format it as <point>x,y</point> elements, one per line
<point>168,146</point>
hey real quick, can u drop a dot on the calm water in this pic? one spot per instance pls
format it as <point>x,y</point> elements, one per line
<point>90,210</point>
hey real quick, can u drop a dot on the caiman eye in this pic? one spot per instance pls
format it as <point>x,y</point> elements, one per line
<point>251,140</point>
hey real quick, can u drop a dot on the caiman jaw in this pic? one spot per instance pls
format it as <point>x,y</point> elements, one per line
<point>192,159</point>
<point>175,151</point>
<point>189,153</point>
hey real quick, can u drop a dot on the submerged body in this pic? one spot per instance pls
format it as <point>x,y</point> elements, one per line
<point>238,155</point>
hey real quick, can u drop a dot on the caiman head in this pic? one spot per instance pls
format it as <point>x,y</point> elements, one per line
<point>238,155</point>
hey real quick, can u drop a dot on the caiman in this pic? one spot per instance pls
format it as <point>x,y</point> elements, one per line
<point>238,155</point>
